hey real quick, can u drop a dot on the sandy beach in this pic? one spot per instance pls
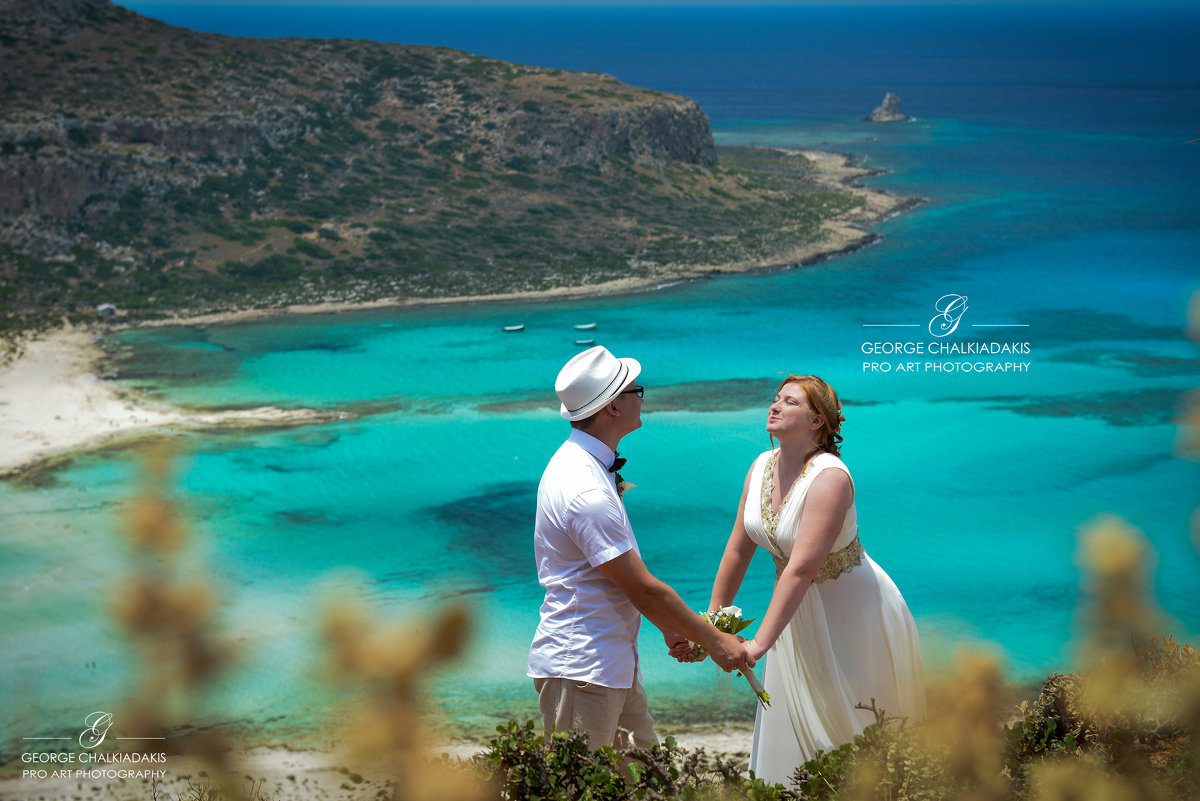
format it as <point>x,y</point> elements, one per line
<point>53,402</point>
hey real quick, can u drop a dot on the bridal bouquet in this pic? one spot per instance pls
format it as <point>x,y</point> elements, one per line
<point>729,620</point>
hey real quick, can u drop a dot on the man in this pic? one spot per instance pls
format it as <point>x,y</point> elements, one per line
<point>584,659</point>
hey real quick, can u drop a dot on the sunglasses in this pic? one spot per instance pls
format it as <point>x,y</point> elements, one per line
<point>639,391</point>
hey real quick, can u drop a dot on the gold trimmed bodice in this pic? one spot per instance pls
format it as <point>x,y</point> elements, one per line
<point>836,563</point>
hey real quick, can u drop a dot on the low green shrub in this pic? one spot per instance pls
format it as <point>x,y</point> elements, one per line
<point>525,764</point>
<point>311,249</point>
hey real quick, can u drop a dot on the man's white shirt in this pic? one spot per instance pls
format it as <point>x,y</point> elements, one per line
<point>588,629</point>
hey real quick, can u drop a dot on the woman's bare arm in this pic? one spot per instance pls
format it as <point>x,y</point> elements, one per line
<point>825,509</point>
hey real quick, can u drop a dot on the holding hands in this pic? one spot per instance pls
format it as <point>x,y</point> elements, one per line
<point>729,650</point>
<point>755,650</point>
<point>730,653</point>
<point>680,648</point>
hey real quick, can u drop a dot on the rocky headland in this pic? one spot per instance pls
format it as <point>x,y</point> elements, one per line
<point>167,172</point>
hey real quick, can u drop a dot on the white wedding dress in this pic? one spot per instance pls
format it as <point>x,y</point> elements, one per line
<point>852,639</point>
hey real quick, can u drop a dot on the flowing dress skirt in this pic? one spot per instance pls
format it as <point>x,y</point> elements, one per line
<point>852,641</point>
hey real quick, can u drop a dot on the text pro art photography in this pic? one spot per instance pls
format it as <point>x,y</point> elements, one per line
<point>288,296</point>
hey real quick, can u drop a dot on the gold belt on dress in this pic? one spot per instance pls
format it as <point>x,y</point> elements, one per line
<point>838,562</point>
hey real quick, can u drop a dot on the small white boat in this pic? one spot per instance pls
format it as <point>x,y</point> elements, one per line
<point>585,342</point>
<point>520,327</point>
<point>584,326</point>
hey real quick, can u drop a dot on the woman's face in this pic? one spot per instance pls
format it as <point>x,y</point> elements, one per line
<point>789,412</point>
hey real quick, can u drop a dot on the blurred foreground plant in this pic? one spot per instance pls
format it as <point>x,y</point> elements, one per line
<point>389,665</point>
<point>953,756</point>
<point>168,609</point>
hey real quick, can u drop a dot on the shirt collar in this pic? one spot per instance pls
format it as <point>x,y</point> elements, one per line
<point>604,454</point>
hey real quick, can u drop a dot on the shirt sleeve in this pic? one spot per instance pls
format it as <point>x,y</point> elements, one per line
<point>598,527</point>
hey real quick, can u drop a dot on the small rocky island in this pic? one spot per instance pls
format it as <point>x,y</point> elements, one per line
<point>888,111</point>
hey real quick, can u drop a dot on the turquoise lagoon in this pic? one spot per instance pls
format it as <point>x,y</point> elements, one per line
<point>1072,234</point>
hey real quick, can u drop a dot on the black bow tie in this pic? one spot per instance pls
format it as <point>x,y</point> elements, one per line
<point>617,464</point>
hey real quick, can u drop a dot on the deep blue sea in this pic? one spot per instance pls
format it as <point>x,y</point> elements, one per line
<point>1055,150</point>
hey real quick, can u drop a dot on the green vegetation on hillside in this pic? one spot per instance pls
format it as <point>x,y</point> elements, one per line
<point>161,170</point>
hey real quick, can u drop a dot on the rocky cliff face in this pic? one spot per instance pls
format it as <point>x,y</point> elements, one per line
<point>676,130</point>
<point>56,170</point>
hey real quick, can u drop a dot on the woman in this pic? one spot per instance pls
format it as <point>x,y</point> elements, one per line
<point>837,631</point>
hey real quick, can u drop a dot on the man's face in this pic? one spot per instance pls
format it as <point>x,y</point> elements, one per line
<point>630,403</point>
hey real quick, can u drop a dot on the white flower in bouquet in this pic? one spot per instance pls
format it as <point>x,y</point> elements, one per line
<point>729,620</point>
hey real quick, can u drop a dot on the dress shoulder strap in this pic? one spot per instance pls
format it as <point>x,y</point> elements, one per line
<point>827,461</point>
<point>761,463</point>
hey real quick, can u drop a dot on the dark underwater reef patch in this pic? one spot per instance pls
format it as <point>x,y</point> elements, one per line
<point>711,396</point>
<point>491,529</point>
<point>516,404</point>
<point>729,395</point>
<point>305,517</point>
<point>1143,407</point>
<point>1058,327</point>
<point>1138,363</point>
<point>692,396</point>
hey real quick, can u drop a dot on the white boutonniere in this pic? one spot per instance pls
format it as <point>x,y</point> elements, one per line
<point>623,486</point>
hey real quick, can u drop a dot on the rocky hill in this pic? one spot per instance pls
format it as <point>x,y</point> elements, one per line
<point>162,169</point>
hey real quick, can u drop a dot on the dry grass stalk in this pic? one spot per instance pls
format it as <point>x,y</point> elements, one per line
<point>966,732</point>
<point>168,610</point>
<point>388,666</point>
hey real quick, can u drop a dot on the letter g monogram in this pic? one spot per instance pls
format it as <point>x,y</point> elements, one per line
<point>98,724</point>
<point>950,310</point>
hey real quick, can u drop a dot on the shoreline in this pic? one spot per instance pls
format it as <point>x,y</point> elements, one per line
<point>54,403</point>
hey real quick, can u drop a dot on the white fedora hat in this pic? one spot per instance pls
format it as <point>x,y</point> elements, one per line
<point>592,379</point>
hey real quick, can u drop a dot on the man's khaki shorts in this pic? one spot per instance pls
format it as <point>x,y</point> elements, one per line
<point>620,718</point>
